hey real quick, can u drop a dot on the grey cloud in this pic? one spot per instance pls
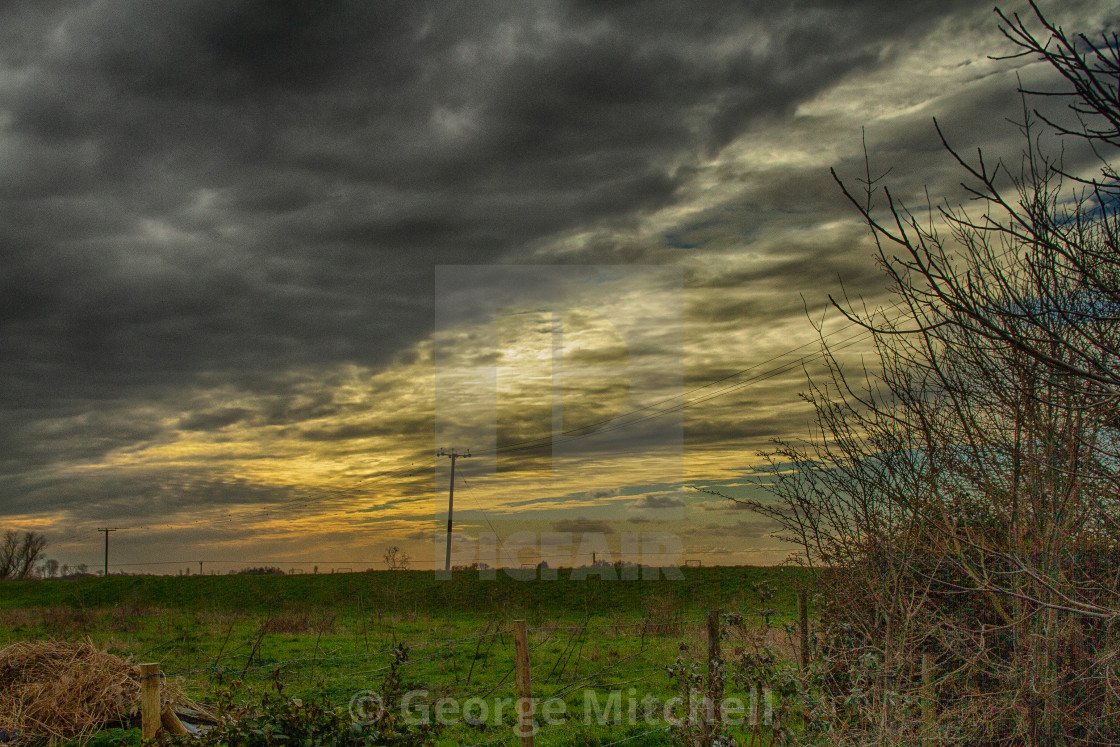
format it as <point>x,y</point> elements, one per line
<point>654,500</point>
<point>742,529</point>
<point>582,525</point>
<point>602,356</point>
<point>214,419</point>
<point>729,506</point>
<point>389,426</point>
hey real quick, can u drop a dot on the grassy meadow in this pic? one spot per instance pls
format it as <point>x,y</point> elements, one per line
<point>331,636</point>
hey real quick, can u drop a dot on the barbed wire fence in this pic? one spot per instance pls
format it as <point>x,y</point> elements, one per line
<point>602,664</point>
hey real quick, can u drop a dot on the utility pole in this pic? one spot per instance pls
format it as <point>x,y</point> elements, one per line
<point>106,531</point>
<point>452,455</point>
<point>200,567</point>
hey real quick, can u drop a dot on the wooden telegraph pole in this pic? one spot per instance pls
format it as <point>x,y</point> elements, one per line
<point>106,531</point>
<point>452,455</point>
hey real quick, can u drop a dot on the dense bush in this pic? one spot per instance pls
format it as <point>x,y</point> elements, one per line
<point>964,492</point>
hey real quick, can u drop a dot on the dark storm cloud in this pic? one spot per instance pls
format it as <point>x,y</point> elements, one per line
<point>211,195</point>
<point>304,183</point>
<point>37,441</point>
<point>128,496</point>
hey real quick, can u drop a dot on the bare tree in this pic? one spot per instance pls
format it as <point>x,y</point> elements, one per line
<point>20,554</point>
<point>963,493</point>
<point>396,560</point>
<point>1039,267</point>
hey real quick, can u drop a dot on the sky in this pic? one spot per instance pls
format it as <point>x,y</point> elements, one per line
<point>261,261</point>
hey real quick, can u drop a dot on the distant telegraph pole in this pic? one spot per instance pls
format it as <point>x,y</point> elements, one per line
<point>106,531</point>
<point>452,455</point>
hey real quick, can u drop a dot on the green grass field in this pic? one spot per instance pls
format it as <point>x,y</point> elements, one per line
<point>334,635</point>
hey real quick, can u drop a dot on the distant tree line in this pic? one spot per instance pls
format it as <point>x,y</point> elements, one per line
<point>267,570</point>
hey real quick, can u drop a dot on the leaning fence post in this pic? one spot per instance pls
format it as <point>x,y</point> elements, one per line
<point>524,684</point>
<point>171,723</point>
<point>803,626</point>
<point>149,700</point>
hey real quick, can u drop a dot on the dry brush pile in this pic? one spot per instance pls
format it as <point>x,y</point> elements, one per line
<point>61,689</point>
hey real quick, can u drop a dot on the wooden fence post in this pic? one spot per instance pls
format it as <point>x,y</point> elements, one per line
<point>150,718</point>
<point>711,728</point>
<point>524,684</point>
<point>803,627</point>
